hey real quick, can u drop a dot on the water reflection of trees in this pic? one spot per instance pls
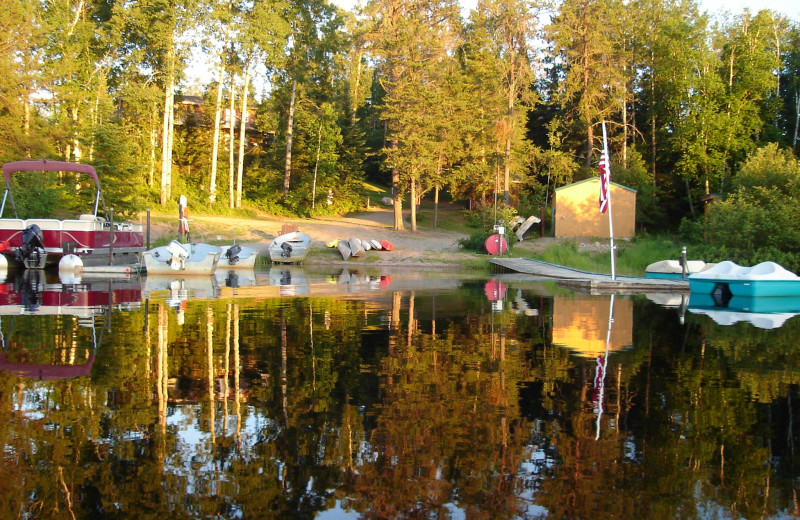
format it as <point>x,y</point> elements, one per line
<point>401,408</point>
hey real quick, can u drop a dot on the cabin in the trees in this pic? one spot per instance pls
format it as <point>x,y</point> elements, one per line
<point>576,212</point>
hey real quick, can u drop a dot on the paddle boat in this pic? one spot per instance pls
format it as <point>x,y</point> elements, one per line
<point>289,248</point>
<point>762,312</point>
<point>671,269</point>
<point>766,279</point>
<point>177,258</point>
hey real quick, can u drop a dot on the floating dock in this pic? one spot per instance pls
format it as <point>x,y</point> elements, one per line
<point>594,283</point>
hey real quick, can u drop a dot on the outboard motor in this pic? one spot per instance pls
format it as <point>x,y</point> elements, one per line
<point>31,253</point>
<point>232,280</point>
<point>30,286</point>
<point>286,250</point>
<point>178,257</point>
<point>232,254</point>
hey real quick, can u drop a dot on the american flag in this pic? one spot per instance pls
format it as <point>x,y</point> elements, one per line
<point>605,174</point>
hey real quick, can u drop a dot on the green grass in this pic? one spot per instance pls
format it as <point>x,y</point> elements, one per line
<point>632,256</point>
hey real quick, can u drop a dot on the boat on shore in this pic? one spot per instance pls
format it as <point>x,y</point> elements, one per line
<point>94,237</point>
<point>237,257</point>
<point>344,249</point>
<point>174,258</point>
<point>289,248</point>
<point>674,269</point>
<point>766,279</point>
<point>356,249</point>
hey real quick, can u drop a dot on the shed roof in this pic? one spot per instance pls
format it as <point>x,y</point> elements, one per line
<point>598,180</point>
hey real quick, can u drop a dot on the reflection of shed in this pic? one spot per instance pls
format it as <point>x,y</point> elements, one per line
<point>582,324</point>
<point>577,214</point>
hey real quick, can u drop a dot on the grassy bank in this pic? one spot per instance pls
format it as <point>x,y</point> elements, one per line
<point>631,259</point>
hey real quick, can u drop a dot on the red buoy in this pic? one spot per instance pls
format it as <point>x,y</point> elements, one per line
<point>496,244</point>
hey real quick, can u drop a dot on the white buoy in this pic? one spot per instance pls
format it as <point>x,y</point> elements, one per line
<point>3,268</point>
<point>70,264</point>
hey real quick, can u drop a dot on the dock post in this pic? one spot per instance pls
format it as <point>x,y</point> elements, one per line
<point>111,236</point>
<point>683,262</point>
<point>147,247</point>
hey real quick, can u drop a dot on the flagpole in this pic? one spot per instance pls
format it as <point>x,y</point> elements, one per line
<point>608,196</point>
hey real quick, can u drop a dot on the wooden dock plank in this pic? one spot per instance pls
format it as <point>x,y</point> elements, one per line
<point>583,280</point>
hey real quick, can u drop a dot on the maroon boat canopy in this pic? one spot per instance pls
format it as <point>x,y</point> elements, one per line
<point>46,372</point>
<point>44,165</point>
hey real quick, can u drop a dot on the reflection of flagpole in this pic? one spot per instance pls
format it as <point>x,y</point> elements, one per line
<point>602,364</point>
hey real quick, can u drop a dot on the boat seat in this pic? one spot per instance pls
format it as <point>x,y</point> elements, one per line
<point>88,217</point>
<point>12,223</point>
<point>288,228</point>
<point>45,224</point>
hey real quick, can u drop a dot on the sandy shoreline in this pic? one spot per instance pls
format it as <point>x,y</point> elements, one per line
<point>423,248</point>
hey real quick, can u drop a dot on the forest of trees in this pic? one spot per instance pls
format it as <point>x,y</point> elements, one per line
<point>411,94</point>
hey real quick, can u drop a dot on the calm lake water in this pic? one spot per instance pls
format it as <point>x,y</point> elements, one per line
<point>294,393</point>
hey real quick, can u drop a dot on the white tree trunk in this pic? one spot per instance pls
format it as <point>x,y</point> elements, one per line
<point>231,143</point>
<point>166,151</point>
<point>212,183</point>
<point>242,137</point>
<point>413,204</point>
<point>287,169</point>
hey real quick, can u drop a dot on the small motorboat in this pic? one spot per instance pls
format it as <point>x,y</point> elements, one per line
<point>174,258</point>
<point>237,257</point>
<point>290,248</point>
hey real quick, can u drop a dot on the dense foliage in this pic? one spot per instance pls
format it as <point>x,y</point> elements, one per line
<point>504,101</point>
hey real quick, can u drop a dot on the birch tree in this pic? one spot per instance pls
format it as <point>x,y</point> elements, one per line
<point>315,27</point>
<point>263,33</point>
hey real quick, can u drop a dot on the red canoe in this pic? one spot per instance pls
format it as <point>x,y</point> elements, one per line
<point>386,245</point>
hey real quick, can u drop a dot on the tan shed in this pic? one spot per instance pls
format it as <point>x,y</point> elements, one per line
<point>577,214</point>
